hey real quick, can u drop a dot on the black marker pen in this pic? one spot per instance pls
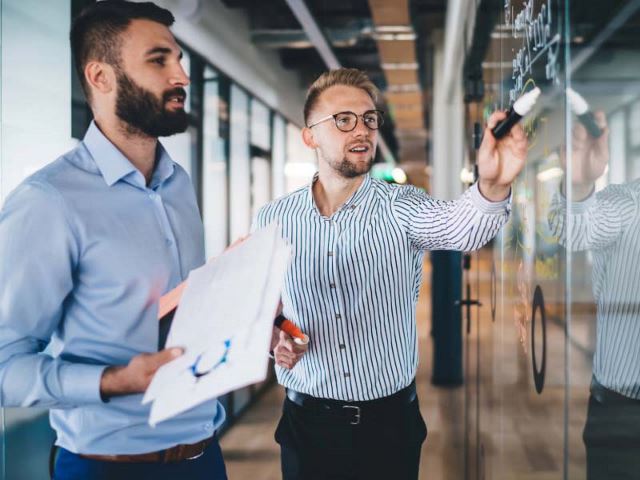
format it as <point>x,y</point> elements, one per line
<point>520,108</point>
<point>581,108</point>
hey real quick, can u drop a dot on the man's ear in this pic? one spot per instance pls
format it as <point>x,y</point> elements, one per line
<point>307,138</point>
<point>100,76</point>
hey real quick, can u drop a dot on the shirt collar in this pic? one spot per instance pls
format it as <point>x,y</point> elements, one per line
<point>352,201</point>
<point>114,166</point>
<point>164,167</point>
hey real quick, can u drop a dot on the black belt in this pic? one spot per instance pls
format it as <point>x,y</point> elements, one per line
<point>606,396</point>
<point>353,411</point>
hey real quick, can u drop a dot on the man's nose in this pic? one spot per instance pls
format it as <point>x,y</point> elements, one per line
<point>361,129</point>
<point>179,77</point>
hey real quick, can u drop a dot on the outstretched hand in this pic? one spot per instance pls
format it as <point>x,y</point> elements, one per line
<point>500,161</point>
<point>589,156</point>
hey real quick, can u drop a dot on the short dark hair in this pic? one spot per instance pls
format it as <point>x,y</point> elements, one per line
<point>96,31</point>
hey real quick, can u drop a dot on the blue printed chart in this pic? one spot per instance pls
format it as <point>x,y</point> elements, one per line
<point>224,323</point>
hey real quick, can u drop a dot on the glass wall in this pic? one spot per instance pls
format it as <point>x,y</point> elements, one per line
<point>554,353</point>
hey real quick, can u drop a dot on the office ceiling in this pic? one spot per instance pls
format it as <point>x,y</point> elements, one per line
<point>389,39</point>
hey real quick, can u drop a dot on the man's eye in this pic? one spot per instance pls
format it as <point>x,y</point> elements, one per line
<point>159,60</point>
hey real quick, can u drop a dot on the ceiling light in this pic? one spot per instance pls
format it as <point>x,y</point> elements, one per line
<point>400,66</point>
<point>399,176</point>
<point>390,37</point>
<point>404,88</point>
<point>467,176</point>
<point>549,174</point>
<point>506,65</point>
<point>394,29</point>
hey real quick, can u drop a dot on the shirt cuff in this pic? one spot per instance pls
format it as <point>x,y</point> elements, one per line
<point>487,206</point>
<point>579,206</point>
<point>583,205</point>
<point>81,383</point>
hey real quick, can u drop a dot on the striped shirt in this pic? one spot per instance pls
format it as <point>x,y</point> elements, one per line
<point>354,280</point>
<point>608,224</point>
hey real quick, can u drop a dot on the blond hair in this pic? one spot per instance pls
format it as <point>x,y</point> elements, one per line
<point>350,77</point>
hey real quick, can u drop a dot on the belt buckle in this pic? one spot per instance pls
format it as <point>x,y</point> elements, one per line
<point>196,456</point>
<point>356,413</point>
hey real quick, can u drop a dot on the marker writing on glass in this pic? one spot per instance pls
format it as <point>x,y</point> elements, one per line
<point>290,328</point>
<point>581,108</point>
<point>520,108</point>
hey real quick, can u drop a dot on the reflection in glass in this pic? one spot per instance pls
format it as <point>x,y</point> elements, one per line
<point>607,225</point>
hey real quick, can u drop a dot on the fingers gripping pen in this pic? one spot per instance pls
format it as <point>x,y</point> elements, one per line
<point>581,108</point>
<point>520,108</point>
<point>290,328</point>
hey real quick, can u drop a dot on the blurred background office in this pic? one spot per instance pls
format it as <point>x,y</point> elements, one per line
<point>523,343</point>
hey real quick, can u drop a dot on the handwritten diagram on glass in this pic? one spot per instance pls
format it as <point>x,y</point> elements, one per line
<point>224,323</point>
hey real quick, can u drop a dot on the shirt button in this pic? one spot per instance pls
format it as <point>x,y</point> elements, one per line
<point>169,242</point>
<point>153,195</point>
<point>338,316</point>
<point>347,375</point>
<point>330,254</point>
<point>342,346</point>
<point>207,426</point>
<point>332,285</point>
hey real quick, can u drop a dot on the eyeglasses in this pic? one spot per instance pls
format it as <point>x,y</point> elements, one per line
<point>347,121</point>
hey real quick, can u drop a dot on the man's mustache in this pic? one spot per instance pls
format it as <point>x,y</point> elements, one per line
<point>175,92</point>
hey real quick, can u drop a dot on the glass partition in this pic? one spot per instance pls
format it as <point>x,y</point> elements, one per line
<point>557,347</point>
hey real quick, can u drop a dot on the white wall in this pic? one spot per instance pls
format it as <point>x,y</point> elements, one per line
<point>222,36</point>
<point>36,87</point>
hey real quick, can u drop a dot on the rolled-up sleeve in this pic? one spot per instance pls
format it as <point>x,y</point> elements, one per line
<point>464,224</point>
<point>39,252</point>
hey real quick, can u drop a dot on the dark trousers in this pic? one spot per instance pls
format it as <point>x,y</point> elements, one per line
<point>315,446</point>
<point>210,466</point>
<point>612,437</point>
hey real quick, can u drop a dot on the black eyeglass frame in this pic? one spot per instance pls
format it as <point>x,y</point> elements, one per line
<point>335,119</point>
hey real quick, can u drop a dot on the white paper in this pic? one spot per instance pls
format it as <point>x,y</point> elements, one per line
<point>224,323</point>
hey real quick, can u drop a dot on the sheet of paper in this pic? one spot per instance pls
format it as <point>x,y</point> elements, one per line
<point>224,323</point>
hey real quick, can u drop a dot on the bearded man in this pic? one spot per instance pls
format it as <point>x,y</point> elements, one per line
<point>89,244</point>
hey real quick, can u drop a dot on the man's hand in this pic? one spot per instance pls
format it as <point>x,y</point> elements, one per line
<point>137,375</point>
<point>286,352</point>
<point>500,161</point>
<point>589,157</point>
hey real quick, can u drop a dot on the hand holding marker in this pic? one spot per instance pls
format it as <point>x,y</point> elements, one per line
<point>169,302</point>
<point>581,108</point>
<point>520,108</point>
<point>290,328</point>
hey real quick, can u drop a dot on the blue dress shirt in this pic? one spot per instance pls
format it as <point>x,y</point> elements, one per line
<point>87,249</point>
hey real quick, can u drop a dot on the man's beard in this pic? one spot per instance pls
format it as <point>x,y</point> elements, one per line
<point>143,112</point>
<point>348,169</point>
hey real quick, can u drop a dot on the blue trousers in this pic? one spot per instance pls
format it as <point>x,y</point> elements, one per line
<point>210,466</point>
